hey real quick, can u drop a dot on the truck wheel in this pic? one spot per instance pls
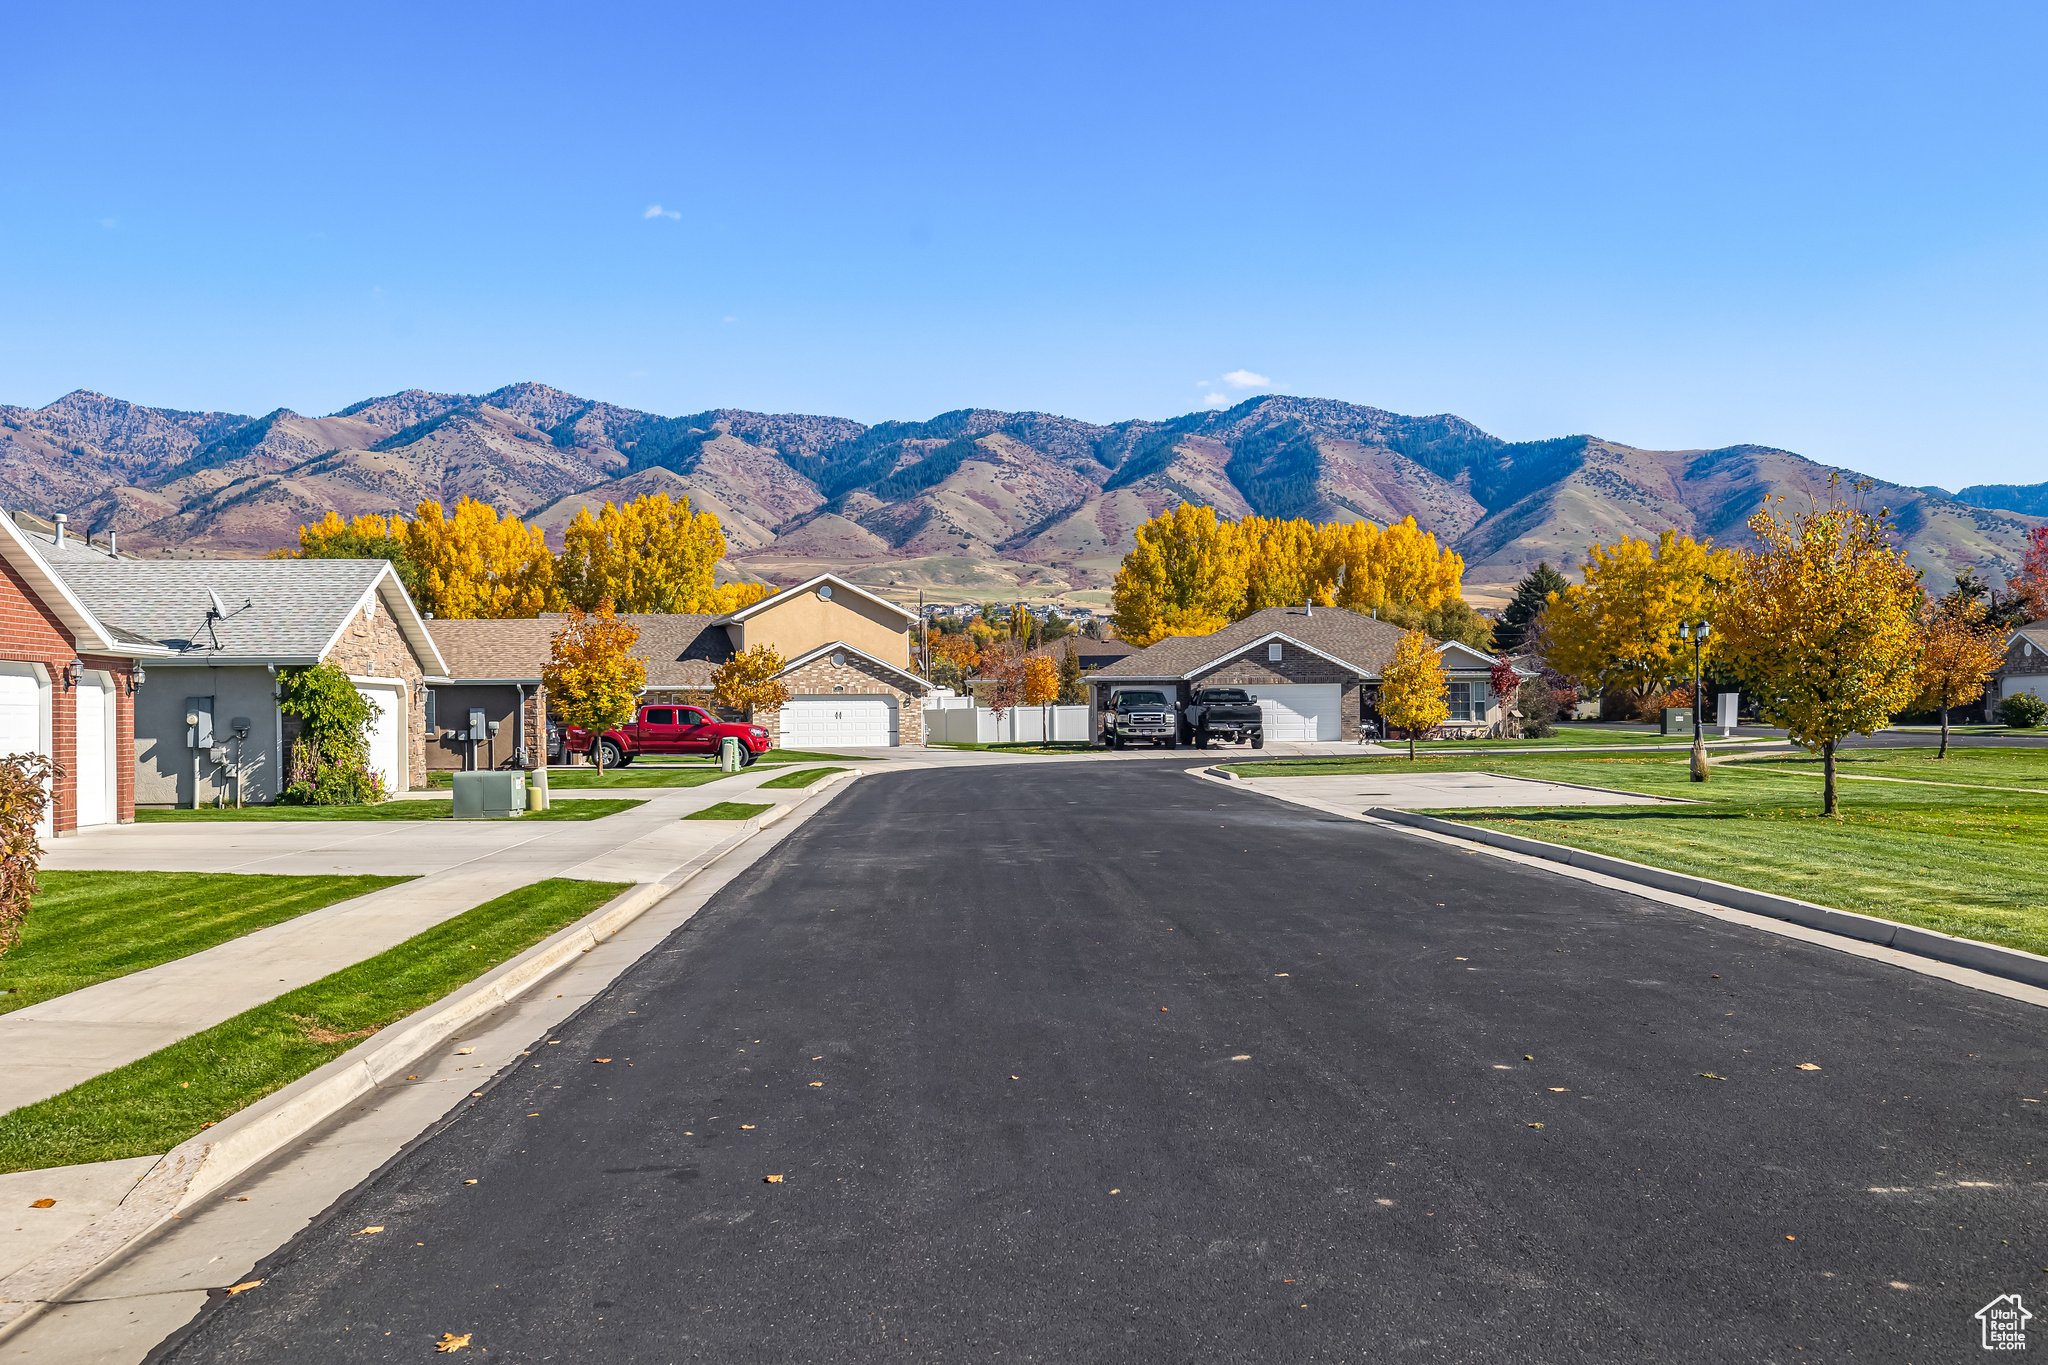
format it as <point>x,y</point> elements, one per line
<point>1259,740</point>
<point>611,755</point>
<point>748,757</point>
<point>1201,739</point>
<point>1172,741</point>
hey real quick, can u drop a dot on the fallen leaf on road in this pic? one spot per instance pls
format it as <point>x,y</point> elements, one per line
<point>1242,1057</point>
<point>450,1342</point>
<point>1710,1076</point>
<point>412,1078</point>
<point>1461,959</point>
<point>235,1289</point>
<point>1535,1125</point>
<point>771,1179</point>
<point>600,1059</point>
<point>1558,1089</point>
<point>369,1231</point>
<point>817,1059</point>
<point>815,1084</point>
<point>533,1116</point>
<point>1808,1066</point>
<point>1163,1009</point>
<point>2025,1100</point>
<point>44,1204</point>
<point>1279,974</point>
<point>464,1051</point>
<point>555,1042</point>
<point>1527,1058</point>
<point>1013,1078</point>
<point>746,1125</point>
<point>469,1182</point>
<point>1790,1238</point>
<point>1116,1191</point>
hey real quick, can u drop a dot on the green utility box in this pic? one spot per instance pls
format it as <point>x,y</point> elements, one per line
<point>1678,720</point>
<point>490,795</point>
<point>729,754</point>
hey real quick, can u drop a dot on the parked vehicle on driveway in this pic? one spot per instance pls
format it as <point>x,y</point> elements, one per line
<point>1225,714</point>
<point>666,730</point>
<point>1145,714</point>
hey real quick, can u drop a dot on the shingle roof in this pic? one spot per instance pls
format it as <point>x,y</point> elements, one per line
<point>282,609</point>
<point>1094,653</point>
<point>1360,641</point>
<point>2037,631</point>
<point>679,651</point>
<point>510,650</point>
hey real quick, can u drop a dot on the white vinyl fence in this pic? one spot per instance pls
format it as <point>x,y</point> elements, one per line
<point>953,723</point>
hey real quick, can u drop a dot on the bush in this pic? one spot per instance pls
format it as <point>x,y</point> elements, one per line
<point>2022,711</point>
<point>330,762</point>
<point>25,782</point>
<point>1537,704</point>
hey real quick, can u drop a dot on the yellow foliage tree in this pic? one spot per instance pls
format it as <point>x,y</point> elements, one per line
<point>475,564</point>
<point>1041,681</point>
<point>1959,651</point>
<point>1823,621</point>
<point>1413,687</point>
<point>652,555</point>
<point>1619,630</point>
<point>1186,577</point>
<point>592,678</point>
<point>747,683</point>
<point>1287,563</point>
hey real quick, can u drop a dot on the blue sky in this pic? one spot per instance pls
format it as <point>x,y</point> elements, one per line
<point>1816,227</point>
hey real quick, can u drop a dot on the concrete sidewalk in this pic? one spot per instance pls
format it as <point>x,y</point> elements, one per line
<point>1442,791</point>
<point>54,1045</point>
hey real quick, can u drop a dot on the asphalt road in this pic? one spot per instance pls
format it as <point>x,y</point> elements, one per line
<point>1084,1063</point>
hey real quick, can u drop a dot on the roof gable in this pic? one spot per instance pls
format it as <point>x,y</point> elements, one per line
<point>837,583</point>
<point>1357,642</point>
<point>841,647</point>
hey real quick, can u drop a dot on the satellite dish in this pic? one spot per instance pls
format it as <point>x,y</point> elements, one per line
<point>219,608</point>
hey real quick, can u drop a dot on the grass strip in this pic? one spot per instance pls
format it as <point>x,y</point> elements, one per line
<point>730,810</point>
<point>1957,859</point>
<point>155,1103</point>
<point>89,927</point>
<point>591,809</point>
<point>802,777</point>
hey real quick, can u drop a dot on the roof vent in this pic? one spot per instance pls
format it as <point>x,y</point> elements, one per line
<point>60,519</point>
<point>825,591</point>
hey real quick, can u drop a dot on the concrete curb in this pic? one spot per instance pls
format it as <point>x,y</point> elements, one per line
<point>203,1164</point>
<point>1989,958</point>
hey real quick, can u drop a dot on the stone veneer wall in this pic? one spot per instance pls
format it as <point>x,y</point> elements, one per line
<point>856,677</point>
<point>1296,665</point>
<point>372,646</point>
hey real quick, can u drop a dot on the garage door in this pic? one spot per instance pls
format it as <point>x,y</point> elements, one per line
<point>387,736</point>
<point>1302,711</point>
<point>21,719</point>
<point>838,722</point>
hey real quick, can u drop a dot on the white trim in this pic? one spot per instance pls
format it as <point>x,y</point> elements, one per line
<point>821,650</point>
<point>1485,660</point>
<point>410,623</point>
<point>88,636</point>
<point>836,581</point>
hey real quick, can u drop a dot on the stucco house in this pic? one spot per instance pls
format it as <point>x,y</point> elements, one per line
<point>68,686</point>
<point>2025,667</point>
<point>1315,670</point>
<point>226,627</point>
<point>493,667</point>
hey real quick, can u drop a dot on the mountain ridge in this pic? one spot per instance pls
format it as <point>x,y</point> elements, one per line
<point>974,502</point>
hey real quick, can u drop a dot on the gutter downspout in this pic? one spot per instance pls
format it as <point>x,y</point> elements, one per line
<point>276,732</point>
<point>524,756</point>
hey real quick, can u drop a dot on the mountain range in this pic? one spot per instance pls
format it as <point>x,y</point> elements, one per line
<point>971,504</point>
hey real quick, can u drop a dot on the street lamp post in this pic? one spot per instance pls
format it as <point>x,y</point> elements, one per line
<point>1697,633</point>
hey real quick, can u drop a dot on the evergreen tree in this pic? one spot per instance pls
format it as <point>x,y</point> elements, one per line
<point>1532,594</point>
<point>1070,677</point>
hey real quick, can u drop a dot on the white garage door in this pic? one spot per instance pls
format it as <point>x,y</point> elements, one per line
<point>838,722</point>
<point>387,736</point>
<point>1302,711</point>
<point>95,750</point>
<point>21,719</point>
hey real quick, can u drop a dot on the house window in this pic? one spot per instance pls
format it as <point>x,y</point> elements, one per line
<point>1460,699</point>
<point>1273,652</point>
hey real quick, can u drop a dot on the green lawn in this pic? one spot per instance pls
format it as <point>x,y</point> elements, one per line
<point>1959,857</point>
<point>89,927</point>
<point>586,809</point>
<point>730,810</point>
<point>153,1104</point>
<point>802,777</point>
<point>661,775</point>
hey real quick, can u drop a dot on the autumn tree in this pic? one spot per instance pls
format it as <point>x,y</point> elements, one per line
<point>1413,687</point>
<point>1532,594</point>
<point>1619,630</point>
<point>1186,577</point>
<point>593,680</point>
<point>652,555</point>
<point>1003,673</point>
<point>26,784</point>
<point>1959,651</point>
<point>1822,620</point>
<point>366,537</point>
<point>1287,563</point>
<point>1504,682</point>
<point>474,564</point>
<point>2030,585</point>
<point>747,683</point>
<point>1041,680</point>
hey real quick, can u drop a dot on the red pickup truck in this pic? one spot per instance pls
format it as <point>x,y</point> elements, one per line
<point>666,730</point>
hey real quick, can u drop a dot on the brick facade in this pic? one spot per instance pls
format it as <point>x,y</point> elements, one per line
<point>855,677</point>
<point>30,633</point>
<point>372,646</point>
<point>1251,668</point>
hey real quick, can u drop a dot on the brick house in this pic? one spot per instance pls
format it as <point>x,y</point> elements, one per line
<point>68,684</point>
<point>1316,671</point>
<point>2024,669</point>
<point>226,627</point>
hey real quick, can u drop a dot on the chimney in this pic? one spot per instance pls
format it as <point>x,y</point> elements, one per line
<point>60,519</point>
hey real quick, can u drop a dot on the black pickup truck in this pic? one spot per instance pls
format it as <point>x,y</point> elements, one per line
<point>1226,713</point>
<point>1141,714</point>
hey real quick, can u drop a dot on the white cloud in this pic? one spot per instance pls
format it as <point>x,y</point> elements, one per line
<point>1215,400</point>
<point>657,211</point>
<point>1201,383</point>
<point>1245,379</point>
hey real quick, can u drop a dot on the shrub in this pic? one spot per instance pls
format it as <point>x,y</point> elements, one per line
<point>25,781</point>
<point>1537,703</point>
<point>330,761</point>
<point>2022,711</point>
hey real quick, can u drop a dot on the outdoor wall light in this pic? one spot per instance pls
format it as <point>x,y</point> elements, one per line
<point>136,677</point>
<point>72,671</point>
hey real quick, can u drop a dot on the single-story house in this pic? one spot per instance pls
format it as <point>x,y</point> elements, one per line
<point>68,684</point>
<point>2025,667</point>
<point>227,626</point>
<point>493,667</point>
<point>1315,670</point>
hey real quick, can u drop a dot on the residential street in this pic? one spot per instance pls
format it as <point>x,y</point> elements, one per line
<point>1074,1062</point>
